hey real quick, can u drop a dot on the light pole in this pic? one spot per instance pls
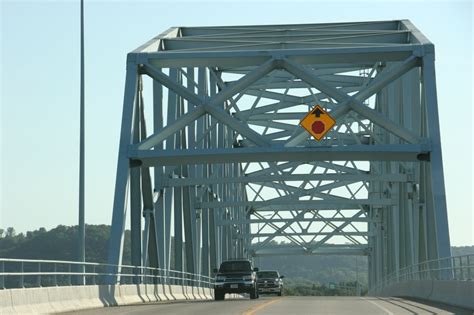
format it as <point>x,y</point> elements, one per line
<point>81,227</point>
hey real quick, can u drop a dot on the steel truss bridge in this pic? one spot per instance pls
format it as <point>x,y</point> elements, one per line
<point>224,170</point>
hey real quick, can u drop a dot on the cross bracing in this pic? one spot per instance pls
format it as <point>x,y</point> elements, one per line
<point>223,169</point>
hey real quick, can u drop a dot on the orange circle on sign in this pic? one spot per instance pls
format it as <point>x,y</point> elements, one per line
<point>318,127</point>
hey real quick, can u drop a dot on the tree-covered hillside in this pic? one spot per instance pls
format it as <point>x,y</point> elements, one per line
<point>59,243</point>
<point>319,269</point>
<point>304,275</point>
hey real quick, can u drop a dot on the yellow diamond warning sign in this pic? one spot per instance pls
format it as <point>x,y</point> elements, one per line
<point>317,122</point>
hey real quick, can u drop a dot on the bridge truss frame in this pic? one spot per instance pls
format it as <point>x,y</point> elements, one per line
<point>229,173</point>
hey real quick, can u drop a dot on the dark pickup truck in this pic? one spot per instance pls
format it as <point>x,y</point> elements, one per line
<point>270,281</point>
<point>236,276</point>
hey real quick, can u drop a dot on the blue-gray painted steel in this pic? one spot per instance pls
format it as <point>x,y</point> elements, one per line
<point>234,170</point>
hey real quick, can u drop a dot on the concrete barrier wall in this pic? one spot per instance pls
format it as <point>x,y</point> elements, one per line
<point>452,292</point>
<point>62,299</point>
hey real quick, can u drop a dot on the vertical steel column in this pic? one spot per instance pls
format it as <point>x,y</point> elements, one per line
<point>121,181</point>
<point>415,117</point>
<point>203,250</point>
<point>247,227</point>
<point>371,229</point>
<point>220,212</point>
<point>229,196</point>
<point>232,197</point>
<point>159,217</point>
<point>173,143</point>
<point>242,213</point>
<point>212,229</point>
<point>240,252</point>
<point>205,240</point>
<point>379,250</point>
<point>213,243</point>
<point>387,259</point>
<point>172,194</point>
<point>189,217</point>
<point>150,246</point>
<point>191,170</point>
<point>410,107</point>
<point>178,230</point>
<point>393,110</point>
<point>439,208</point>
<point>423,254</point>
<point>135,193</point>
<point>189,212</point>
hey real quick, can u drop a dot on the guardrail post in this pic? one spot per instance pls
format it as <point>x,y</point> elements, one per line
<point>22,280</point>
<point>38,278</point>
<point>468,268</point>
<point>69,274</point>
<point>2,279</point>
<point>454,268</point>
<point>55,276</point>
<point>94,280</point>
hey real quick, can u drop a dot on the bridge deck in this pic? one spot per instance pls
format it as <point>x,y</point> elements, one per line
<point>289,305</point>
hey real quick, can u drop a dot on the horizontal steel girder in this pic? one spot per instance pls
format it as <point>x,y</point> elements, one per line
<point>314,234</point>
<point>402,152</point>
<point>289,204</point>
<point>177,182</point>
<point>360,251</point>
<point>286,220</point>
<point>242,58</point>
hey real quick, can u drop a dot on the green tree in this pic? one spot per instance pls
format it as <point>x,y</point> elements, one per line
<point>10,232</point>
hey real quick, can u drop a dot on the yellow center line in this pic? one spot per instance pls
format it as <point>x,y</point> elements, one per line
<point>259,307</point>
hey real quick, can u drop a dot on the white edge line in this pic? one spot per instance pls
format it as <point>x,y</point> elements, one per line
<point>379,306</point>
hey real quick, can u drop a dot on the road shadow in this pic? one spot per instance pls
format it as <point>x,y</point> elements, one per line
<point>107,295</point>
<point>404,302</point>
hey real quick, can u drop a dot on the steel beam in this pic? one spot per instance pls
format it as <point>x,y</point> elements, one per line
<point>286,220</point>
<point>242,58</point>
<point>136,193</point>
<point>439,209</point>
<point>233,170</point>
<point>286,178</point>
<point>359,153</point>
<point>290,204</point>
<point>121,181</point>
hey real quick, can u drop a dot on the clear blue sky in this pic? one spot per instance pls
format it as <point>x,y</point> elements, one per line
<point>40,92</point>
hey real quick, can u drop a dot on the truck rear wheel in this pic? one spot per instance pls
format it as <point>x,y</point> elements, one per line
<point>253,294</point>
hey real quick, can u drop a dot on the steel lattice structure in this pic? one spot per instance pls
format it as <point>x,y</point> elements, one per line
<point>229,172</point>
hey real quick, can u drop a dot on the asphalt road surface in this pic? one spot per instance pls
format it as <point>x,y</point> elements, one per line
<point>286,305</point>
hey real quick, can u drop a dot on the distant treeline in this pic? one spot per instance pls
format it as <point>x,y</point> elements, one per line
<point>59,243</point>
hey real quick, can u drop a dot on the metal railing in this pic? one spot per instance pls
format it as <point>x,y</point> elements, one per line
<point>448,268</point>
<point>29,273</point>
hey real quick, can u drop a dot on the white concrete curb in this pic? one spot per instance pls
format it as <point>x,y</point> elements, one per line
<point>50,300</point>
<point>452,292</point>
